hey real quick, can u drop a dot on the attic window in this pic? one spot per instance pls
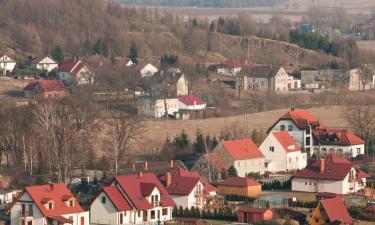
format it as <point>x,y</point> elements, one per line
<point>50,205</point>
<point>71,203</point>
<point>103,199</point>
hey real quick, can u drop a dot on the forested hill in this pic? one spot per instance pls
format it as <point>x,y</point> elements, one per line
<point>204,3</point>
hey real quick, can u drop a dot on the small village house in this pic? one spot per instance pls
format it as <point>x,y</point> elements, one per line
<point>251,215</point>
<point>147,70</point>
<point>331,211</point>
<point>44,64</point>
<point>7,196</point>
<point>132,199</point>
<point>239,186</point>
<point>332,175</point>
<point>74,70</point>
<point>158,107</point>
<point>243,154</point>
<point>190,189</point>
<point>282,153</point>
<point>360,80</point>
<point>50,204</point>
<point>191,102</point>
<point>7,65</point>
<point>46,89</point>
<point>231,67</point>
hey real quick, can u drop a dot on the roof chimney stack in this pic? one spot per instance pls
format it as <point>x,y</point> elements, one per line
<point>322,165</point>
<point>169,179</point>
<point>133,166</point>
<point>140,175</point>
<point>145,165</point>
<point>51,185</point>
<point>171,164</point>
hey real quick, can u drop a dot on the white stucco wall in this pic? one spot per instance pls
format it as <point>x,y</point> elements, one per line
<point>7,64</point>
<point>182,86</point>
<point>191,199</point>
<point>281,81</point>
<point>148,70</point>
<point>244,167</point>
<point>103,213</point>
<point>298,135</point>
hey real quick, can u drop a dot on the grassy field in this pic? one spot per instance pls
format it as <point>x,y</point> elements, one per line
<point>11,90</point>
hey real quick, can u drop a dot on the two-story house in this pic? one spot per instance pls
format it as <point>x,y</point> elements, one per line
<point>7,64</point>
<point>266,78</point>
<point>44,64</point>
<point>189,189</point>
<point>74,70</point>
<point>50,204</point>
<point>243,154</point>
<point>282,153</point>
<point>231,67</point>
<point>158,107</point>
<point>132,199</point>
<point>332,175</point>
<point>299,124</point>
<point>169,85</point>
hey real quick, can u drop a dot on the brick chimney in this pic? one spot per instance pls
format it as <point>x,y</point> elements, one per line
<point>169,179</point>
<point>322,165</point>
<point>140,175</point>
<point>145,165</point>
<point>171,164</point>
<point>51,185</point>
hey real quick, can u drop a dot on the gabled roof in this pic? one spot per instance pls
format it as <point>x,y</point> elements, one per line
<point>158,168</point>
<point>335,168</point>
<point>239,182</point>
<point>235,63</point>
<point>336,210</point>
<point>45,85</point>
<point>55,193</point>
<point>242,149</point>
<point>286,141</point>
<point>336,136</point>
<point>69,65</point>
<point>191,100</point>
<point>300,118</point>
<point>147,188</point>
<point>117,199</point>
<point>131,185</point>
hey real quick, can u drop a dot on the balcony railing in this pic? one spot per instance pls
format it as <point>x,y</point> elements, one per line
<point>26,213</point>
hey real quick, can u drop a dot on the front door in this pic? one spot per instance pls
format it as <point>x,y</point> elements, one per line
<point>82,220</point>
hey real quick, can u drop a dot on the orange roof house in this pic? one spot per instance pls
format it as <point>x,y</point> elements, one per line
<point>46,89</point>
<point>250,215</point>
<point>239,186</point>
<point>243,154</point>
<point>331,211</point>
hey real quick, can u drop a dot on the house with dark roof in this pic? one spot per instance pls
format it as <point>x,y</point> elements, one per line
<point>243,154</point>
<point>282,153</point>
<point>7,65</point>
<point>243,186</point>
<point>45,89</point>
<point>74,70</point>
<point>132,199</point>
<point>332,174</point>
<point>51,204</point>
<point>210,166</point>
<point>159,168</point>
<point>331,211</point>
<point>190,189</point>
<point>247,214</point>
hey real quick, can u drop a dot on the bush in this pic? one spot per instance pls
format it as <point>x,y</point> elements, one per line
<point>221,214</point>
<point>277,185</point>
<point>240,198</point>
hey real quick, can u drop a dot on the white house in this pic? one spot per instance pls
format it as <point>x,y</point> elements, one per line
<point>293,83</point>
<point>267,78</point>
<point>243,154</point>
<point>189,189</point>
<point>50,204</point>
<point>282,153</point>
<point>44,64</point>
<point>132,199</point>
<point>299,124</point>
<point>359,80</point>
<point>7,196</point>
<point>337,141</point>
<point>231,67</point>
<point>157,107</point>
<point>77,70</point>
<point>191,103</point>
<point>332,175</point>
<point>148,70</point>
<point>7,64</point>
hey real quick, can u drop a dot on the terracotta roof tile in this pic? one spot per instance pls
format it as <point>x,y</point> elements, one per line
<point>117,199</point>
<point>45,85</point>
<point>286,141</point>
<point>336,210</point>
<point>191,100</point>
<point>242,149</point>
<point>336,136</point>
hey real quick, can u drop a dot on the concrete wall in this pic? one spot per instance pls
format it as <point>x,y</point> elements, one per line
<point>245,167</point>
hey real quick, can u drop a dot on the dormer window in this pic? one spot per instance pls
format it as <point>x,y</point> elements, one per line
<point>50,205</point>
<point>71,203</point>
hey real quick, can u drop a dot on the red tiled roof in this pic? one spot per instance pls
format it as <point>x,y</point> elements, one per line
<point>336,210</point>
<point>131,185</point>
<point>191,100</point>
<point>68,65</point>
<point>335,169</point>
<point>40,193</point>
<point>242,149</point>
<point>182,185</point>
<point>147,188</point>
<point>286,141</point>
<point>300,117</point>
<point>45,85</point>
<point>235,63</point>
<point>252,209</point>
<point>117,199</point>
<point>239,182</point>
<point>336,136</point>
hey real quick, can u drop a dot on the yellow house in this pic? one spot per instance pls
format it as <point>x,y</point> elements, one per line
<point>239,186</point>
<point>331,211</point>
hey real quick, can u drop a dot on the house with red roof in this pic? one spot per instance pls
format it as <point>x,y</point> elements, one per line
<point>332,175</point>
<point>191,102</point>
<point>7,65</point>
<point>243,154</point>
<point>331,211</point>
<point>247,214</point>
<point>132,199</point>
<point>45,89</point>
<point>231,67</point>
<point>75,70</point>
<point>282,153</point>
<point>243,186</point>
<point>189,189</point>
<point>50,204</point>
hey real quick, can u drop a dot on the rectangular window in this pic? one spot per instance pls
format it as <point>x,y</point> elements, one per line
<point>152,214</point>
<point>103,199</point>
<point>165,212</point>
<point>139,213</point>
<point>290,127</point>
<point>282,127</point>
<point>50,205</point>
<point>305,183</point>
<point>158,214</point>
<point>307,140</point>
<point>121,218</point>
<point>71,203</point>
<point>272,148</point>
<point>358,150</point>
